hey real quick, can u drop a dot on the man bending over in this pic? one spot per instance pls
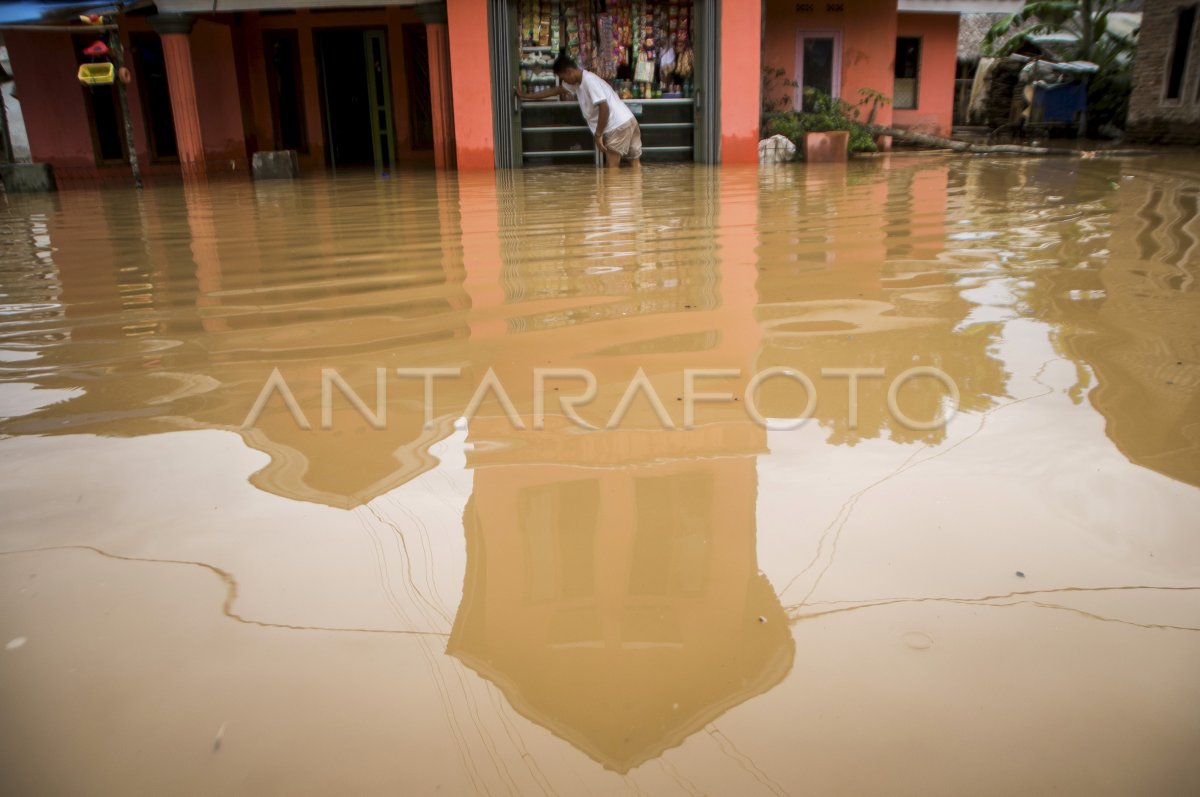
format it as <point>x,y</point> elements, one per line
<point>615,129</point>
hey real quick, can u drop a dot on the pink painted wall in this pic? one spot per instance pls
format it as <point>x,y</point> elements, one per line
<point>868,30</point>
<point>471,76</point>
<point>52,101</point>
<point>741,81</point>
<point>51,98</point>
<point>935,84</point>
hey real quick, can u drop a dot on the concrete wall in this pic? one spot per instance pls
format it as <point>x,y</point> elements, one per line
<point>935,83</point>
<point>1152,118</point>
<point>18,139</point>
<point>868,31</point>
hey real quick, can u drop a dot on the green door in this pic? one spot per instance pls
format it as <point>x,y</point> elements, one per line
<point>379,92</point>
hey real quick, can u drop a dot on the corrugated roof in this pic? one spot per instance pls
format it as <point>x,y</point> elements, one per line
<point>971,30</point>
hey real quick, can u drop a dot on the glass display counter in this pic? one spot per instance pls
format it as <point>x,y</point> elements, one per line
<point>554,131</point>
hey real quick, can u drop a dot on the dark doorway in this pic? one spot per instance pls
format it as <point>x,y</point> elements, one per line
<point>416,70</point>
<point>104,112</point>
<point>1185,20</point>
<point>356,98</point>
<point>151,71</point>
<point>282,49</point>
<point>817,69</point>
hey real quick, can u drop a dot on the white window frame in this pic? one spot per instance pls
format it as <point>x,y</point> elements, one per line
<point>801,35</point>
<point>920,73</point>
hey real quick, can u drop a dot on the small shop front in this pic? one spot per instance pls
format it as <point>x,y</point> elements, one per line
<point>658,55</point>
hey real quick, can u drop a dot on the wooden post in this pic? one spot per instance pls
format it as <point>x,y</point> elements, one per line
<point>118,53</point>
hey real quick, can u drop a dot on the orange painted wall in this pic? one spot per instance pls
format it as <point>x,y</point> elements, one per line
<point>868,29</point>
<point>471,76</point>
<point>741,81</point>
<point>935,85</point>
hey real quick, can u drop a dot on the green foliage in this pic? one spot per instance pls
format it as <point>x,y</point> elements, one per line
<point>823,114</point>
<point>1012,33</point>
<point>1087,23</point>
<point>1085,20</point>
<point>1109,89</point>
<point>875,99</point>
<point>774,98</point>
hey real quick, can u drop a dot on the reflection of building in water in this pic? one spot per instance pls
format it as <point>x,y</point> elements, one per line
<point>620,607</point>
<point>628,246</point>
<point>190,302</point>
<point>851,275</point>
<point>613,591</point>
<point>1127,307</point>
<point>1101,253</point>
<point>33,283</point>
<point>183,302</point>
<point>430,272</point>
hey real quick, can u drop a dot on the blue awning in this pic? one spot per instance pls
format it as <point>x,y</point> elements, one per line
<point>31,12</point>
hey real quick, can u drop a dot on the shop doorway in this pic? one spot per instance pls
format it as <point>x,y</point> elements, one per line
<point>356,98</point>
<point>676,106</point>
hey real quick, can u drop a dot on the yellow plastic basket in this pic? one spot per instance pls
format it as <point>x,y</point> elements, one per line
<point>96,74</point>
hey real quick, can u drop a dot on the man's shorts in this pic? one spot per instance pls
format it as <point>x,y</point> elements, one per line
<point>626,140</point>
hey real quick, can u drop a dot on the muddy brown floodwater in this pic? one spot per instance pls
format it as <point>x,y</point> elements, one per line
<point>198,597</point>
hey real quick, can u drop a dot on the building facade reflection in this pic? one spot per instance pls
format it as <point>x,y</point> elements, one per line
<point>613,591</point>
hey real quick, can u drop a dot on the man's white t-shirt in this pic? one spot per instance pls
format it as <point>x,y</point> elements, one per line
<point>592,91</point>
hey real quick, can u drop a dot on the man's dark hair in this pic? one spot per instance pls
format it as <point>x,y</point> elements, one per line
<point>564,62</point>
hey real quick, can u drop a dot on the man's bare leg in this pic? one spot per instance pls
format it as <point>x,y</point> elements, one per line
<point>636,164</point>
<point>612,159</point>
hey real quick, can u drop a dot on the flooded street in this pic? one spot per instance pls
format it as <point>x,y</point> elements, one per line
<point>240,552</point>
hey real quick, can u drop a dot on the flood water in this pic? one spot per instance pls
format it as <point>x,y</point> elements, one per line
<point>202,595</point>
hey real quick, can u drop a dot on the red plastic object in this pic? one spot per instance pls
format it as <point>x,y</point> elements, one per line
<point>96,49</point>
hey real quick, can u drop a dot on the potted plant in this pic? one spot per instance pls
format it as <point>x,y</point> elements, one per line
<point>828,129</point>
